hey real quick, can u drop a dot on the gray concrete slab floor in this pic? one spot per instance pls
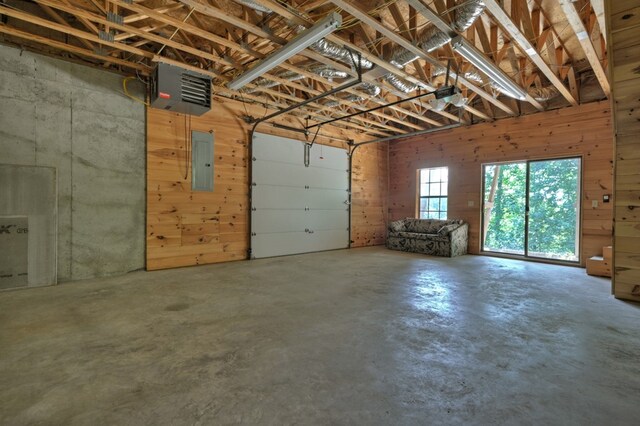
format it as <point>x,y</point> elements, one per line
<point>363,336</point>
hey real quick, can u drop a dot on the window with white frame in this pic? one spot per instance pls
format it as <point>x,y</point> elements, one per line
<point>432,198</point>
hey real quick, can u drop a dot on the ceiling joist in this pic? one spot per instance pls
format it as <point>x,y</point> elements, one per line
<point>224,39</point>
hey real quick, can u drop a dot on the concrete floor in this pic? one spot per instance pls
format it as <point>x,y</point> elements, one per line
<point>366,336</point>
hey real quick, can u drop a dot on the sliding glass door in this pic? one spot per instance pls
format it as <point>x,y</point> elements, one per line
<point>532,209</point>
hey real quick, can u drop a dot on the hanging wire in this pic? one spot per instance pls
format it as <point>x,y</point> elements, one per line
<point>129,95</point>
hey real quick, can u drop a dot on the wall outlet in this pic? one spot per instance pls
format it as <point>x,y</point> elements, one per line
<point>594,203</point>
<point>470,203</point>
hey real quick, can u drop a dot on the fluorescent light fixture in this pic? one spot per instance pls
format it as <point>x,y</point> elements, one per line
<point>531,51</point>
<point>300,42</point>
<point>477,58</point>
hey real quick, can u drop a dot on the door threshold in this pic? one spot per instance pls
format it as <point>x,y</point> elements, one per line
<point>531,259</point>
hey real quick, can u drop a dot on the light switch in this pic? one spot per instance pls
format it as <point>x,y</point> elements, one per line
<point>470,203</point>
<point>594,203</point>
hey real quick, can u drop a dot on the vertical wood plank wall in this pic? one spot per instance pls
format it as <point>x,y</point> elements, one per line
<point>624,24</point>
<point>579,131</point>
<point>370,188</point>
<point>189,228</point>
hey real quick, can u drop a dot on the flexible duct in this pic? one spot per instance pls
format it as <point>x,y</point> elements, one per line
<point>544,93</point>
<point>327,72</point>
<point>429,39</point>
<point>255,6</point>
<point>353,98</point>
<point>473,76</point>
<point>367,89</point>
<point>400,83</point>
<point>438,71</point>
<point>539,94</point>
<point>338,53</point>
<point>400,57</point>
<point>499,88</point>
<point>323,46</point>
<point>432,38</point>
<point>370,89</point>
<point>259,83</point>
<point>466,14</point>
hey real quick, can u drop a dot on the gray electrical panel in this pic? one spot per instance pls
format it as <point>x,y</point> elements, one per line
<point>201,161</point>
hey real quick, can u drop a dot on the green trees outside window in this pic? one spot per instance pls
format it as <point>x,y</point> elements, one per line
<point>550,190</point>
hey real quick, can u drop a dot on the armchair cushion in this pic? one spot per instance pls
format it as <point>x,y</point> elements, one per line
<point>448,228</point>
<point>397,226</point>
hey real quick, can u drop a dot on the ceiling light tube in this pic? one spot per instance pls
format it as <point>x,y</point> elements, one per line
<point>300,42</point>
<point>477,58</point>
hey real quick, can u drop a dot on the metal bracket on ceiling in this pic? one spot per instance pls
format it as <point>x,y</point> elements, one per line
<point>106,36</point>
<point>115,18</point>
<point>99,50</point>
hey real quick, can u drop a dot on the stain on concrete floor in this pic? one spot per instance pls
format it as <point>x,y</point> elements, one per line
<point>364,336</point>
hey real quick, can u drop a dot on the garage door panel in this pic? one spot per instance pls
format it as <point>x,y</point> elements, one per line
<point>274,148</point>
<point>278,197</point>
<point>328,219</point>
<point>277,173</point>
<point>331,199</point>
<point>330,157</point>
<point>297,209</point>
<point>279,244</point>
<point>326,178</point>
<point>270,221</point>
<point>328,240</point>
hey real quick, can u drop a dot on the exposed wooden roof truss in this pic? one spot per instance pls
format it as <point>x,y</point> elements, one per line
<point>549,48</point>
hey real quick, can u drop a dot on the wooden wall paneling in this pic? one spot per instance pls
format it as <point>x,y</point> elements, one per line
<point>576,131</point>
<point>369,192</point>
<point>190,228</point>
<point>624,46</point>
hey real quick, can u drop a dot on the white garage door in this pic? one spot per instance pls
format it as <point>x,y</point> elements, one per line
<point>297,209</point>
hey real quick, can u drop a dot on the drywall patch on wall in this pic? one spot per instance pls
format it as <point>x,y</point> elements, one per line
<point>76,119</point>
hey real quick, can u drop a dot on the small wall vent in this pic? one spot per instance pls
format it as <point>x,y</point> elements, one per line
<point>178,90</point>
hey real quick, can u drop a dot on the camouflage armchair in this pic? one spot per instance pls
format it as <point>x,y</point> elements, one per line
<point>429,236</point>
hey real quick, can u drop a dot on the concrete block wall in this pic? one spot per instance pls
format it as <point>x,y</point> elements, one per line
<point>78,120</point>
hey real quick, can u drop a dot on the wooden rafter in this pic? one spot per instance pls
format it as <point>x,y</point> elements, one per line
<point>214,12</point>
<point>172,43</point>
<point>396,38</point>
<point>202,36</point>
<point>585,42</point>
<point>87,36</point>
<point>6,29</point>
<point>59,19</point>
<point>598,9</point>
<point>525,44</point>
